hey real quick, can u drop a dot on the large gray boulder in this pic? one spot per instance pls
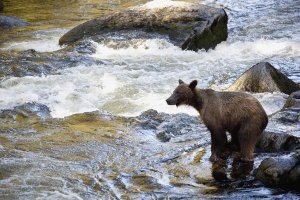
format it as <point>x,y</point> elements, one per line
<point>282,171</point>
<point>263,77</point>
<point>190,26</point>
<point>10,22</point>
<point>277,142</point>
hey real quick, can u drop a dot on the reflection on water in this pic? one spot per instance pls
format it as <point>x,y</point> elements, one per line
<point>63,12</point>
<point>50,15</point>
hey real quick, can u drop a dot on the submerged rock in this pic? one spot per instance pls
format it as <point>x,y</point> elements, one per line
<point>282,171</point>
<point>263,77</point>
<point>10,22</point>
<point>190,26</point>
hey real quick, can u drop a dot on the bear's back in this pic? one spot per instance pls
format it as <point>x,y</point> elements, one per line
<point>232,108</point>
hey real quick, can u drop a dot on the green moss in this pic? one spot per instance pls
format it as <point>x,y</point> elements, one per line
<point>198,156</point>
<point>5,142</point>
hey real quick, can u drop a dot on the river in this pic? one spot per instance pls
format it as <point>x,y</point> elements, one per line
<point>134,75</point>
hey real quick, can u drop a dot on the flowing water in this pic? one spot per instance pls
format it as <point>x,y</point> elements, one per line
<point>134,75</point>
<point>139,74</point>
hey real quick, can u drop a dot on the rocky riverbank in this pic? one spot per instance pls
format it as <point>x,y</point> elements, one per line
<point>151,155</point>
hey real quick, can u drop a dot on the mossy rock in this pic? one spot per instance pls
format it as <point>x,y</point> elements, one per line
<point>189,26</point>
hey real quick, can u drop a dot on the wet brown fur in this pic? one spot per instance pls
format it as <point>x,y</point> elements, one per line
<point>238,113</point>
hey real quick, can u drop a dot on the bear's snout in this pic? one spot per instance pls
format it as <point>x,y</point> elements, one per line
<point>170,101</point>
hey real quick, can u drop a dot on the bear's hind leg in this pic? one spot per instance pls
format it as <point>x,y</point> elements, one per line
<point>248,136</point>
<point>233,145</point>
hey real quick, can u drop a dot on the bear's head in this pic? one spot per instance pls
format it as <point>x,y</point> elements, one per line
<point>183,94</point>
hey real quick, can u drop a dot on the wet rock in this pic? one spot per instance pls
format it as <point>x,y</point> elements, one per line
<point>263,77</point>
<point>176,127</point>
<point>123,157</point>
<point>144,182</point>
<point>28,110</point>
<point>282,132</point>
<point>286,122</point>
<point>33,63</point>
<point>293,100</point>
<point>111,156</point>
<point>85,47</point>
<point>281,136</point>
<point>277,142</point>
<point>10,22</point>
<point>190,26</point>
<point>282,171</point>
<point>150,119</point>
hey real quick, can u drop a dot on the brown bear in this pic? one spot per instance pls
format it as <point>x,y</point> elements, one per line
<point>238,113</point>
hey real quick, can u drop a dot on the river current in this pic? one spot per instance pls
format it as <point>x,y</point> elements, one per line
<point>140,74</point>
<point>98,155</point>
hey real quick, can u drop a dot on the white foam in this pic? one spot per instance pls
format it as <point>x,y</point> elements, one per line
<point>72,92</point>
<point>142,75</point>
<point>158,102</point>
<point>237,51</point>
<point>139,47</point>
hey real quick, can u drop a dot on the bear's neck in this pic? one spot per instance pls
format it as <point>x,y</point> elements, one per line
<point>197,100</point>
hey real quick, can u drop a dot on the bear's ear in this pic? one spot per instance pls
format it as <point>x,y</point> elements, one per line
<point>180,81</point>
<point>193,84</point>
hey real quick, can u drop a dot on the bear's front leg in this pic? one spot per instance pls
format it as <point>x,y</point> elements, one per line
<point>218,144</point>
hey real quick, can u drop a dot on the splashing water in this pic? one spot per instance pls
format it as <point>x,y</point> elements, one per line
<point>140,77</point>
